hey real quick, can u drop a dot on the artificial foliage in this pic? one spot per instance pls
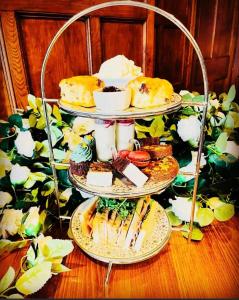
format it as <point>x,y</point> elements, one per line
<point>28,205</point>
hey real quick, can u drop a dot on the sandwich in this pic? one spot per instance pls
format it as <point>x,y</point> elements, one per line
<point>122,223</point>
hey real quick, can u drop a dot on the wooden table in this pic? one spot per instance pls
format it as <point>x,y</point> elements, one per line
<point>206,269</point>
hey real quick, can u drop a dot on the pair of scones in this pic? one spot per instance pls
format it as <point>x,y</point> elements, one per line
<point>145,91</point>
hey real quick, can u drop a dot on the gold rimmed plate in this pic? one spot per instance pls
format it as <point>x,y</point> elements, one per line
<point>130,113</point>
<point>161,231</point>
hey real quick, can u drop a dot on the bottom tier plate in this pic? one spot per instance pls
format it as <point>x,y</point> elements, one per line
<point>119,255</point>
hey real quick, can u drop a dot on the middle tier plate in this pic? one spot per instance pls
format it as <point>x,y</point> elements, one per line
<point>130,113</point>
<point>119,189</point>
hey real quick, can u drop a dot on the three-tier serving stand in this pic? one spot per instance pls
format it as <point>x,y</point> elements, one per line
<point>203,111</point>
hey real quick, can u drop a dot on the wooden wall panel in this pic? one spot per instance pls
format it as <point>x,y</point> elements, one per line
<point>116,41</point>
<point>68,57</point>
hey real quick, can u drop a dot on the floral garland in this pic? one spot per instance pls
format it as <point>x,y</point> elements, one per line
<point>27,201</point>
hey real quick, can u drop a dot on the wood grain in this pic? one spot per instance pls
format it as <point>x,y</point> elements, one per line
<point>15,58</point>
<point>206,269</point>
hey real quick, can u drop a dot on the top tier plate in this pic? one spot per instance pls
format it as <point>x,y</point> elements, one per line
<point>130,113</point>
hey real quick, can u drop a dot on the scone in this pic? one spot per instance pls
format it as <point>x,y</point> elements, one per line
<point>150,92</point>
<point>78,90</point>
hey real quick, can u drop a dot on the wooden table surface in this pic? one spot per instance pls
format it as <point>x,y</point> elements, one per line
<point>206,269</point>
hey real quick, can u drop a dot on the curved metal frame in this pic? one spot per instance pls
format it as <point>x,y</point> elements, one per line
<point>201,61</point>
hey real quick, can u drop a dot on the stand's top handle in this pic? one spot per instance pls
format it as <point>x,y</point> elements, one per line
<point>129,3</point>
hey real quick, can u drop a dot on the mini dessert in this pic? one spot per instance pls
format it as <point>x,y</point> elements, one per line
<point>80,159</point>
<point>149,92</point>
<point>111,99</point>
<point>163,169</point>
<point>100,174</point>
<point>78,90</point>
<point>129,170</point>
<point>149,141</point>
<point>158,151</point>
<point>123,153</point>
<point>139,158</point>
<point>127,224</point>
<point>125,134</point>
<point>118,71</point>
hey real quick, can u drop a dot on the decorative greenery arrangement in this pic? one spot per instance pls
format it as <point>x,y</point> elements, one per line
<point>27,200</point>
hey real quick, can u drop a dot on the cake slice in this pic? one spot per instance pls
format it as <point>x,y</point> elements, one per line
<point>129,170</point>
<point>100,174</point>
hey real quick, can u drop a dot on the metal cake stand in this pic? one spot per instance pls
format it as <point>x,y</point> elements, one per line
<point>174,20</point>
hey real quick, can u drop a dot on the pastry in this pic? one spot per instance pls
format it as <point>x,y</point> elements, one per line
<point>100,174</point>
<point>80,159</point>
<point>129,170</point>
<point>149,92</point>
<point>139,158</point>
<point>163,169</point>
<point>158,151</point>
<point>78,90</point>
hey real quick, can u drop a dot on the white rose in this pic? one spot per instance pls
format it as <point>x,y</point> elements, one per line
<point>5,164</point>
<point>189,129</point>
<point>5,198</point>
<point>25,123</point>
<point>182,207</point>
<point>11,222</point>
<point>19,174</point>
<point>232,148</point>
<point>82,126</point>
<point>191,167</point>
<point>25,143</point>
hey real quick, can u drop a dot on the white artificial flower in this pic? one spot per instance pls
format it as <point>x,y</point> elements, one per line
<point>185,92</point>
<point>25,123</point>
<point>189,129</point>
<point>11,222</point>
<point>213,103</point>
<point>82,126</point>
<point>19,174</point>
<point>218,119</point>
<point>5,198</point>
<point>32,222</point>
<point>25,143</point>
<point>182,208</point>
<point>191,167</point>
<point>5,164</point>
<point>232,148</point>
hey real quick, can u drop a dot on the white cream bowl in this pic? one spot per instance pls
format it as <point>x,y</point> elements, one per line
<point>112,101</point>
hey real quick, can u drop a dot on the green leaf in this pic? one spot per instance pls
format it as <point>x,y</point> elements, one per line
<point>229,122</point>
<point>221,142</point>
<point>231,93</point>
<point>199,98</point>
<point>59,268</point>
<point>48,188</point>
<point>188,111</point>
<point>173,219</point>
<point>29,183</point>
<point>56,113</point>
<point>142,128</point>
<point>156,128</point>
<point>38,176</point>
<point>15,120</point>
<point>58,248</point>
<point>4,128</point>
<point>214,202</point>
<point>7,279</point>
<point>15,296</point>
<point>32,120</point>
<point>59,154</point>
<point>41,124</point>
<point>197,234</point>
<point>34,279</point>
<point>34,192</point>
<point>140,135</point>
<point>235,116</point>
<point>38,146</point>
<point>187,97</point>
<point>56,134</point>
<point>45,149</point>
<point>9,246</point>
<point>205,216</point>
<point>224,212</point>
